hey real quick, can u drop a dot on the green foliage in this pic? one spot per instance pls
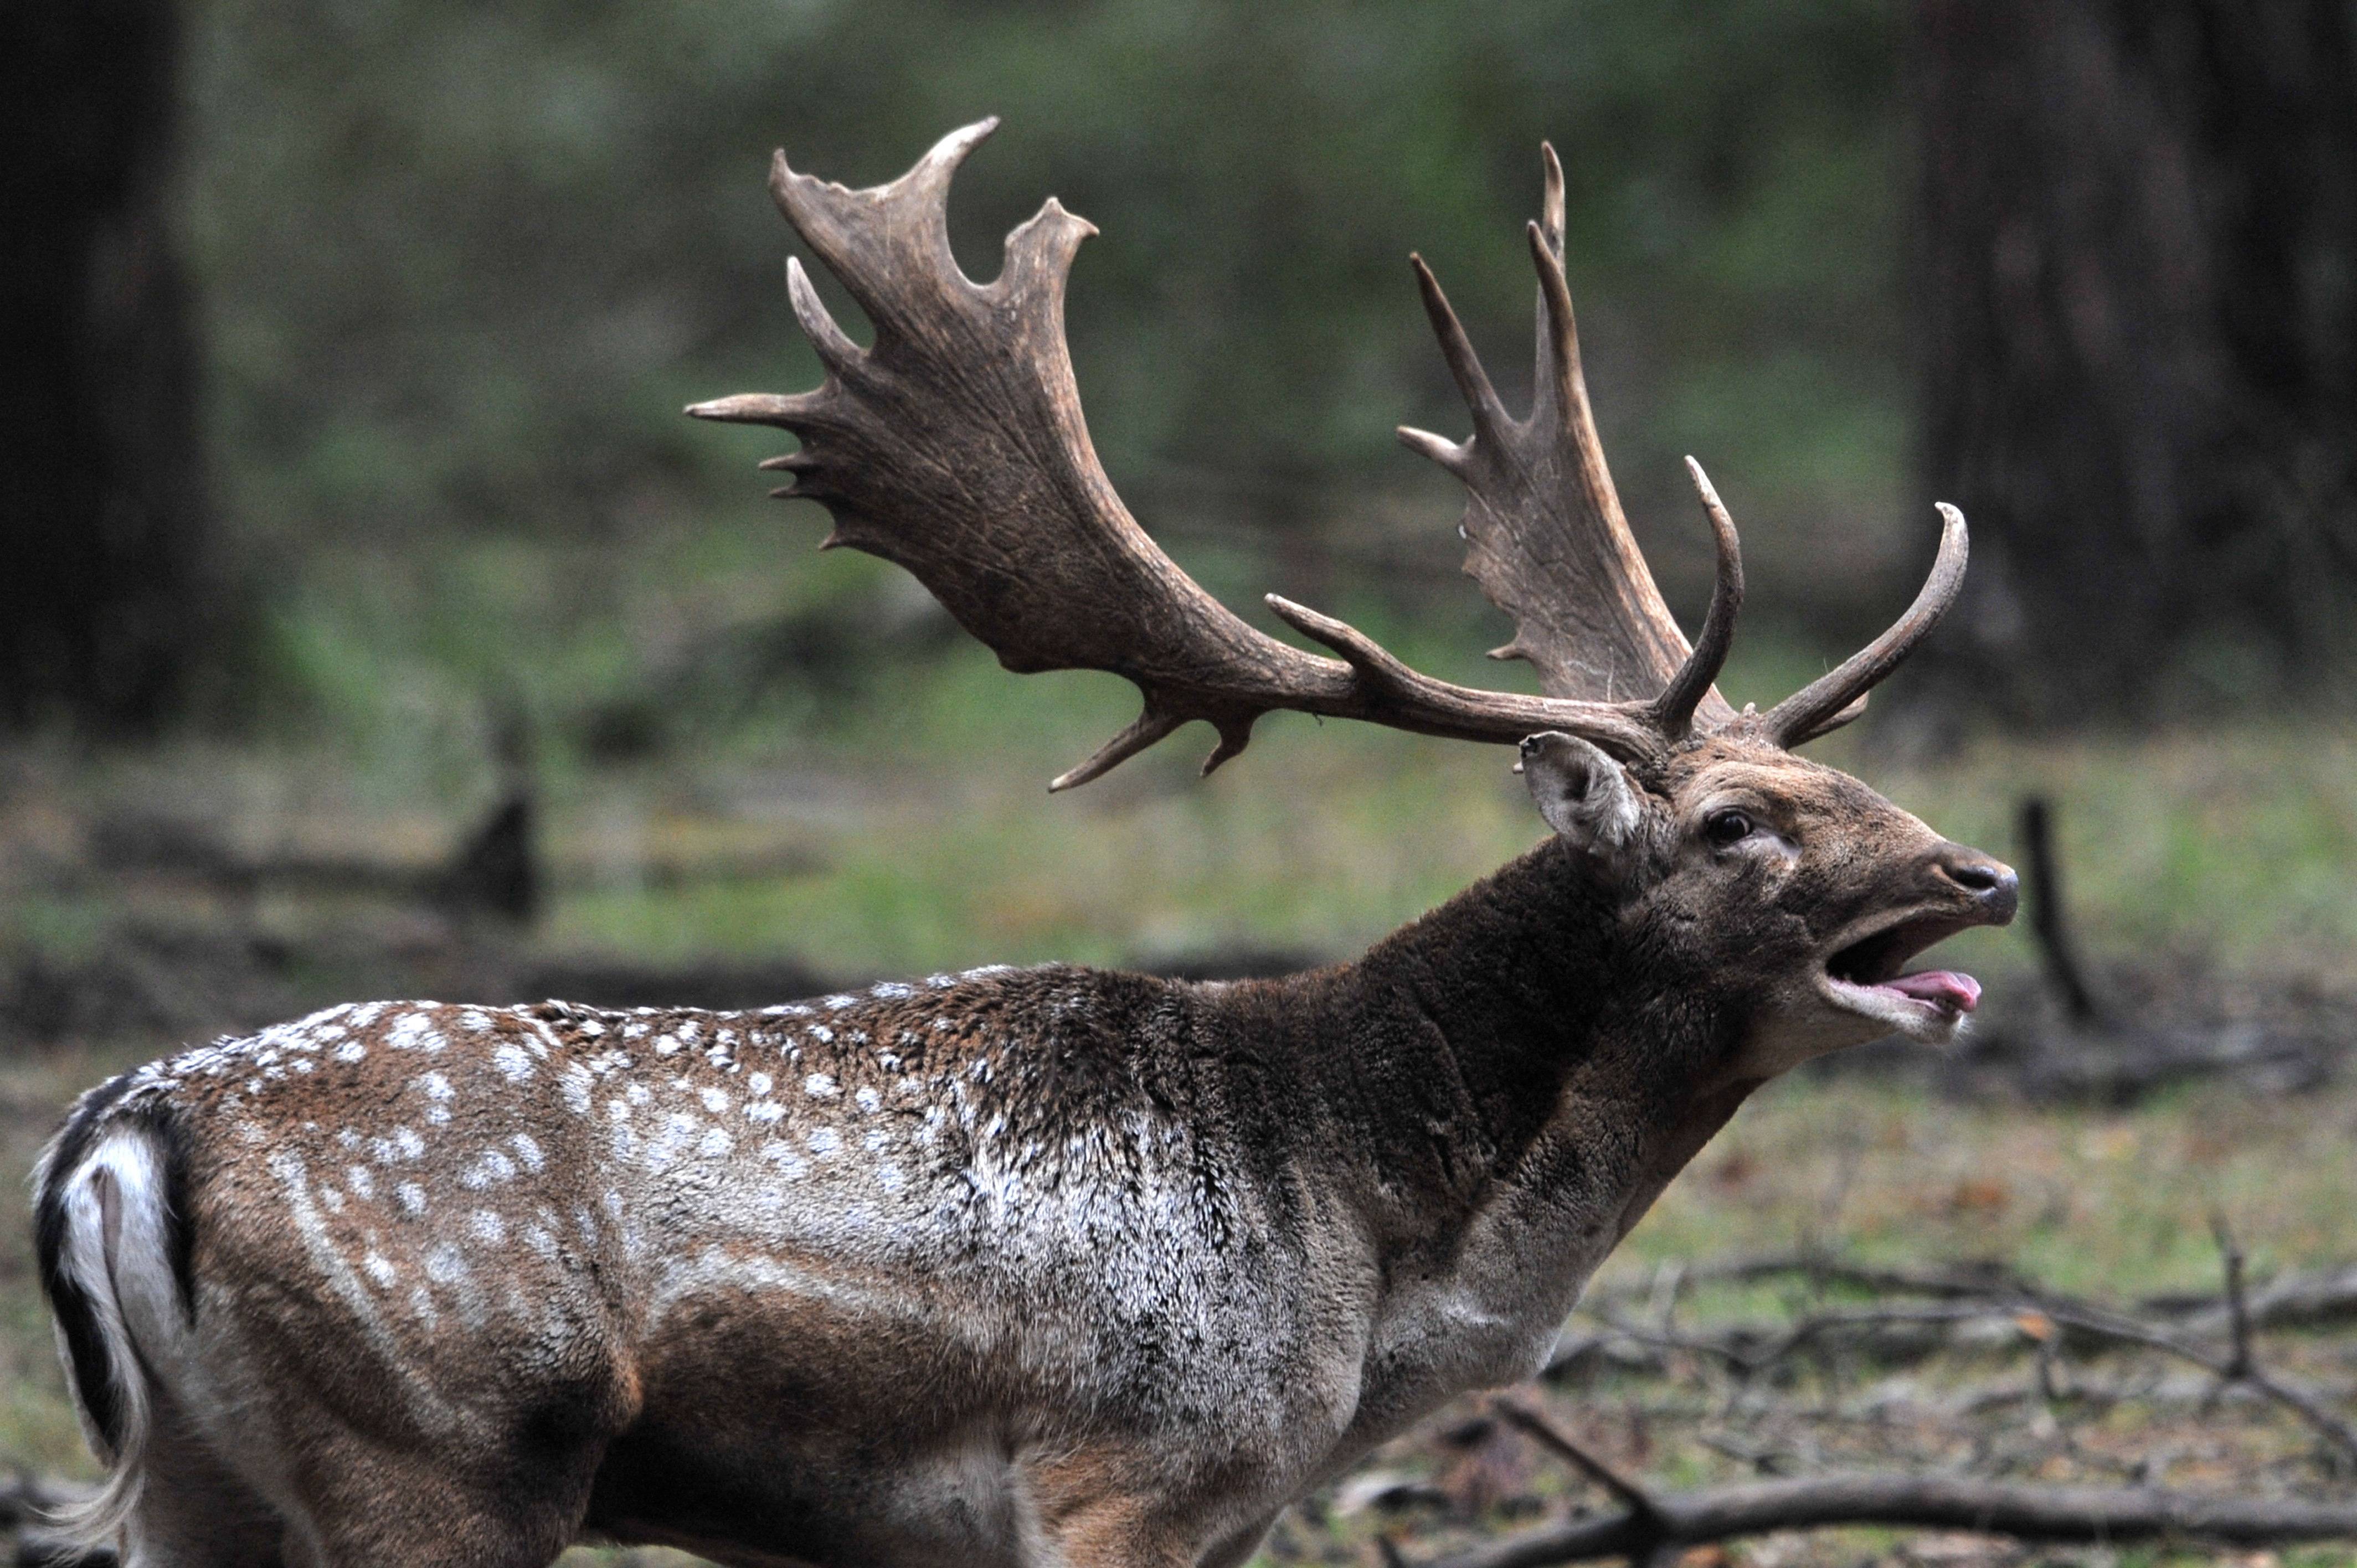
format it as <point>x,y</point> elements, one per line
<point>465,262</point>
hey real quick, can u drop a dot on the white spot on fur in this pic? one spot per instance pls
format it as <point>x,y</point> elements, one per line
<point>411,1196</point>
<point>819,1086</point>
<point>760,1083</point>
<point>528,1151</point>
<point>362,1184</point>
<point>514,1065</point>
<point>487,1227</point>
<point>491,1168</point>
<point>380,1269</point>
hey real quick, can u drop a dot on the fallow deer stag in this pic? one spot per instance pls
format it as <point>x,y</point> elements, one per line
<point>1015,1266</point>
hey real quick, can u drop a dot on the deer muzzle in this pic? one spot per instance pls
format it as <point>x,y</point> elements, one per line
<point>1865,972</point>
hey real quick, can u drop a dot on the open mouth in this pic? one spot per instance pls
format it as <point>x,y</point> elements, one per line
<point>1866,977</point>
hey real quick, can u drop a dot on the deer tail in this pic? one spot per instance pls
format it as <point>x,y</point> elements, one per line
<point>111,1231</point>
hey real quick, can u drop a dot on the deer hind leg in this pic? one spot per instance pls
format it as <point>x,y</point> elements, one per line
<point>192,1512</point>
<point>404,1510</point>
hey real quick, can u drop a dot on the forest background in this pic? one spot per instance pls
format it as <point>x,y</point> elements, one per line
<point>372,622</point>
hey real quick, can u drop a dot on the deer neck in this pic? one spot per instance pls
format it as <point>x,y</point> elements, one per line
<point>1508,1084</point>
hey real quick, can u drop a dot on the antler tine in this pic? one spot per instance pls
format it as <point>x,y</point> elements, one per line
<point>887,242</point>
<point>1837,696</point>
<point>1551,202</point>
<point>1550,233</point>
<point>1143,731</point>
<point>1464,364</point>
<point>833,346</point>
<point>1560,389</point>
<point>1673,709</point>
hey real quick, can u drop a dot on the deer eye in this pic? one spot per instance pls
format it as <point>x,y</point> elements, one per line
<point>1723,828</point>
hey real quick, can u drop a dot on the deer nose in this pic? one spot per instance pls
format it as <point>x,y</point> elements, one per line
<point>1991,883</point>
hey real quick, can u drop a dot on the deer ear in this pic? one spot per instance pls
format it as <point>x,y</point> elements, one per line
<point>1581,793</point>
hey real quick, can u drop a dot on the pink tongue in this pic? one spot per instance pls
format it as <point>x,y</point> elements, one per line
<point>1941,987</point>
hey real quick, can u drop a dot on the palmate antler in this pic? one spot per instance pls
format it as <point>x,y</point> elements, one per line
<point>955,448</point>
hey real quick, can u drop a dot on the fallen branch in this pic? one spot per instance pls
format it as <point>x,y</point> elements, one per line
<point>2292,1301</point>
<point>1633,1498</point>
<point>2055,1514</point>
<point>2297,1300</point>
<point>1910,1331</point>
<point>1976,1278</point>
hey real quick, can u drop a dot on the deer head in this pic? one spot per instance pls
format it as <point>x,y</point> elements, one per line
<point>955,448</point>
<point>1752,872</point>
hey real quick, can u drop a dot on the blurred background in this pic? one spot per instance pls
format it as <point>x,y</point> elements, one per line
<point>371,621</point>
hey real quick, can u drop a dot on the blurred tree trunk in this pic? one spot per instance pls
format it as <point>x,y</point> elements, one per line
<point>2138,270</point>
<point>104,602</point>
